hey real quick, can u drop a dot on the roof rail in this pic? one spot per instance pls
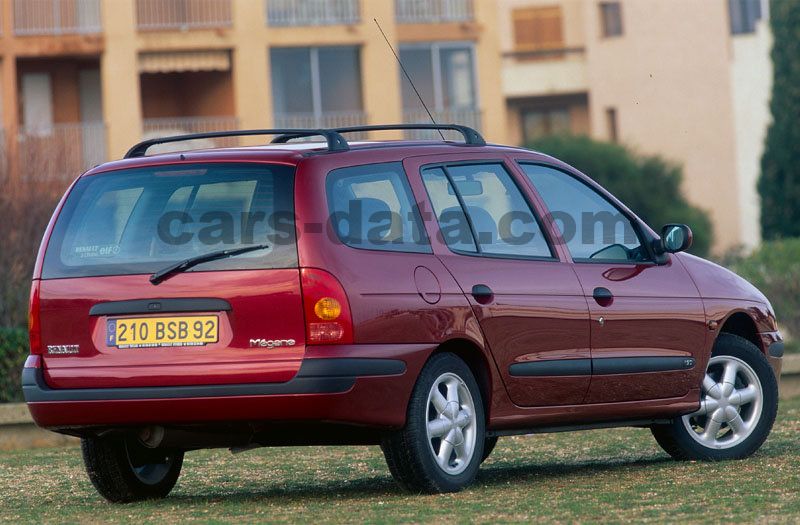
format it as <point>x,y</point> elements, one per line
<point>471,137</point>
<point>335,140</point>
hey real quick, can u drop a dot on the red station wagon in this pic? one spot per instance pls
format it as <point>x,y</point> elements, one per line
<point>428,296</point>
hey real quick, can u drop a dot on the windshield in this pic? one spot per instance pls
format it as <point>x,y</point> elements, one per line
<point>141,220</point>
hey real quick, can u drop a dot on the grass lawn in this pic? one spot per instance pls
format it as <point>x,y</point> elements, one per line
<point>608,475</point>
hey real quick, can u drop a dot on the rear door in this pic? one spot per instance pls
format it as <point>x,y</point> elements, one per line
<point>234,320</point>
<point>529,304</point>
<point>648,323</point>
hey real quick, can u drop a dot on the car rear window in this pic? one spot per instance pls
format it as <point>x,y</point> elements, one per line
<point>141,220</point>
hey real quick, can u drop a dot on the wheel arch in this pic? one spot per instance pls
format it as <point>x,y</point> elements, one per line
<point>477,361</point>
<point>742,324</point>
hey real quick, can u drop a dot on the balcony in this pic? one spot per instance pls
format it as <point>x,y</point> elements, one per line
<point>56,17</point>
<point>166,127</point>
<point>182,15</point>
<point>61,151</point>
<point>327,119</point>
<point>544,72</point>
<point>294,13</point>
<point>464,117</point>
<point>433,11</point>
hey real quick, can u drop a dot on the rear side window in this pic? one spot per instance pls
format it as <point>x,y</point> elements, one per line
<point>372,208</point>
<point>481,202</point>
<point>140,220</point>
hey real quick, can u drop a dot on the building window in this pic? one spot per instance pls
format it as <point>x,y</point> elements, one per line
<point>444,74</point>
<point>537,28</point>
<point>538,123</point>
<point>316,86</point>
<point>611,18</point>
<point>611,122</point>
<point>743,15</point>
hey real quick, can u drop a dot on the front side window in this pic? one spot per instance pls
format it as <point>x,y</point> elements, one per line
<point>591,226</point>
<point>481,210</point>
<point>372,208</point>
<point>141,220</point>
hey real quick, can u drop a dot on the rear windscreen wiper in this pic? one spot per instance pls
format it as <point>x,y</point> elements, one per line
<point>182,266</point>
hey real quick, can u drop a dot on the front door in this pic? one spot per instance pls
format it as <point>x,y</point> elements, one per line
<point>648,328</point>
<point>529,304</point>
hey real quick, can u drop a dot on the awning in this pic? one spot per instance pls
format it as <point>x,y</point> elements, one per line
<point>178,61</point>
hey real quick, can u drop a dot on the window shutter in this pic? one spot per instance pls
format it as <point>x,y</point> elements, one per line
<point>538,28</point>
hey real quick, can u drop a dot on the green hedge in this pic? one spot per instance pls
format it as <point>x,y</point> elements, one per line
<point>13,351</point>
<point>648,185</point>
<point>774,268</point>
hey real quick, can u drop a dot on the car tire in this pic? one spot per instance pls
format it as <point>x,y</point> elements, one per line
<point>488,447</point>
<point>739,402</point>
<point>441,447</point>
<point>124,470</point>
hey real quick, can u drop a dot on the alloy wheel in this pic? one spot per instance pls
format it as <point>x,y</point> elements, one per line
<point>730,405</point>
<point>451,425</point>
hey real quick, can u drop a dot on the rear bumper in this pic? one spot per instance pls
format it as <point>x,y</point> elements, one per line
<point>353,384</point>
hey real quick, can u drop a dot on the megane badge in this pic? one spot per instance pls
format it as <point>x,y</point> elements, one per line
<point>271,343</point>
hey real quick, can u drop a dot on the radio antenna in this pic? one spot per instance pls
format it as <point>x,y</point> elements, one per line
<point>403,68</point>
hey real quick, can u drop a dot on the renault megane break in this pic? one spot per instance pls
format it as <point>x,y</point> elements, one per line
<point>429,296</point>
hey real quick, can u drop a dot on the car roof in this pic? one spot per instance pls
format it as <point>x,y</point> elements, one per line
<point>292,153</point>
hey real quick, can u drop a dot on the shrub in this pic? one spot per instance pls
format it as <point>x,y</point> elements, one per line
<point>13,351</point>
<point>773,268</point>
<point>25,209</point>
<point>648,185</point>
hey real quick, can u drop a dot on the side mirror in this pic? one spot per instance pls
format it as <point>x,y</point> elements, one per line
<point>675,238</point>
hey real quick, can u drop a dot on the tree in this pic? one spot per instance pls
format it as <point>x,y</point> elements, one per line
<point>779,184</point>
<point>648,185</point>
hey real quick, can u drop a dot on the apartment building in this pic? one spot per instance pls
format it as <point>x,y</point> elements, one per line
<point>82,80</point>
<point>686,79</point>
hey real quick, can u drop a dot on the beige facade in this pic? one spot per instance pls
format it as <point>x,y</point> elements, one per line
<point>82,80</point>
<point>170,66</point>
<point>679,78</point>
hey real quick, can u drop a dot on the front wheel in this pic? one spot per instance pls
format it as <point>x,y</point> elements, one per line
<point>123,470</point>
<point>441,446</point>
<point>738,406</point>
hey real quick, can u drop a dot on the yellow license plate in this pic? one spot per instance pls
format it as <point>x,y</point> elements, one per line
<point>150,332</point>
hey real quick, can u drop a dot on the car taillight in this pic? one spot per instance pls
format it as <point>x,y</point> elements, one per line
<point>34,325</point>
<point>328,318</point>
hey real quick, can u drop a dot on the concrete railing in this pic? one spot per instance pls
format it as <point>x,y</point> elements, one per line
<point>56,17</point>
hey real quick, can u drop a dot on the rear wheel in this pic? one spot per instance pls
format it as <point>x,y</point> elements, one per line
<point>441,447</point>
<point>738,406</point>
<point>122,469</point>
<point>488,447</point>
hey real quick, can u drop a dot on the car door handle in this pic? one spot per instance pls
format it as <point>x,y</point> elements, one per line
<point>603,296</point>
<point>482,293</point>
